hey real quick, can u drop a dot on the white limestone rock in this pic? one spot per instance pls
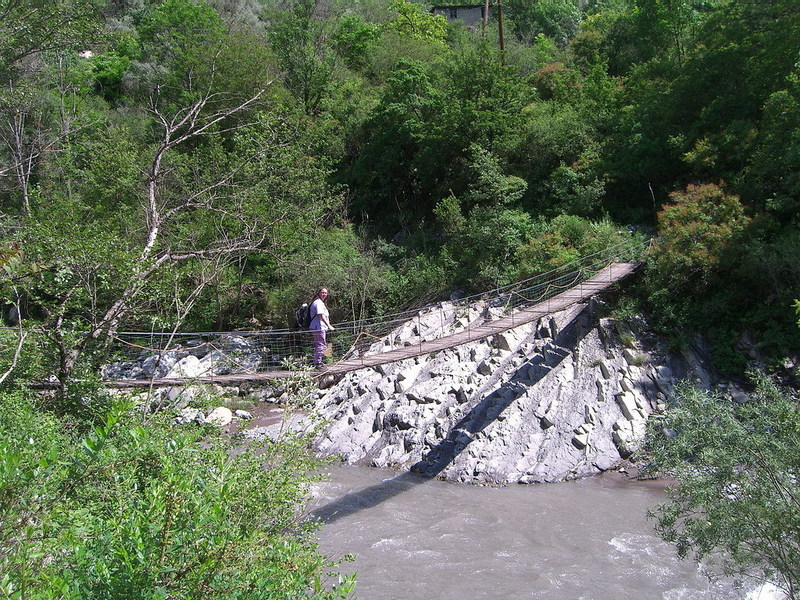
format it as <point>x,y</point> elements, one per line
<point>220,416</point>
<point>189,367</point>
<point>487,414</point>
<point>627,402</point>
<point>189,415</point>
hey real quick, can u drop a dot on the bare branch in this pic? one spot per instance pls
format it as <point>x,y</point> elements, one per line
<point>21,335</point>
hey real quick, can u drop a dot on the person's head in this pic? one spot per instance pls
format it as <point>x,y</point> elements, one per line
<point>322,293</point>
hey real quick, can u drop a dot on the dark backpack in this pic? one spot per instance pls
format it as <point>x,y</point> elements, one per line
<point>302,316</point>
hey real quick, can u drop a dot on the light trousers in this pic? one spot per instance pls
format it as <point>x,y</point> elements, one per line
<point>319,345</point>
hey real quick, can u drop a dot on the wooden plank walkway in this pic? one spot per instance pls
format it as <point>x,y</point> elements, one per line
<point>579,293</point>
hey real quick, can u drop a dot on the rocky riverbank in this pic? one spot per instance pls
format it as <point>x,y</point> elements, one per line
<point>558,399</point>
<point>561,398</point>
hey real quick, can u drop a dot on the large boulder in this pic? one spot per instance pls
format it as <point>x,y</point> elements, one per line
<point>548,401</point>
<point>220,416</point>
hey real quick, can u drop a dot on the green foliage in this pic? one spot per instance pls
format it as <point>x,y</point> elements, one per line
<point>354,274</point>
<point>483,101</point>
<point>186,52</point>
<point>483,232</point>
<point>449,215</point>
<point>416,142</point>
<point>416,23</point>
<point>352,39</point>
<point>773,180</point>
<point>490,186</point>
<point>16,272</point>
<point>718,270</point>
<point>392,50</point>
<point>698,234</point>
<point>172,30</point>
<point>567,238</point>
<point>703,269</point>
<point>736,504</point>
<point>417,280</point>
<point>556,19</point>
<point>298,39</point>
<point>386,173</point>
<point>772,264</point>
<point>151,512</point>
<point>29,28</point>
<point>527,59</point>
<point>108,70</point>
<point>557,150</point>
<point>571,191</point>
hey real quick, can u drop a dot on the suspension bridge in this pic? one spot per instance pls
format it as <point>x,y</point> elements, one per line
<point>257,356</point>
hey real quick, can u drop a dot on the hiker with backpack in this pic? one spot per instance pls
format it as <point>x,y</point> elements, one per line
<point>319,324</point>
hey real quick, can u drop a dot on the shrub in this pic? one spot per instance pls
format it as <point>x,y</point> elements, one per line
<point>134,512</point>
<point>698,232</point>
<point>736,464</point>
<point>567,238</point>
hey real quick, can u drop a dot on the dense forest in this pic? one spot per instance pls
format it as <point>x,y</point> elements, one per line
<point>210,164</point>
<point>206,165</point>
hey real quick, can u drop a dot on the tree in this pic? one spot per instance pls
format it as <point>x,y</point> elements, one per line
<point>414,22</point>
<point>736,462</point>
<point>483,228</point>
<point>416,142</point>
<point>352,38</point>
<point>43,106</point>
<point>29,28</point>
<point>773,180</point>
<point>15,275</point>
<point>385,173</point>
<point>41,113</point>
<point>698,237</point>
<point>720,271</point>
<point>200,207</point>
<point>556,19</point>
<point>25,136</point>
<point>556,151</point>
<point>299,38</point>
<point>565,239</point>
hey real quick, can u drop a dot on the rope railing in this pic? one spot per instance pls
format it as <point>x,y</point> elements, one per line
<point>258,351</point>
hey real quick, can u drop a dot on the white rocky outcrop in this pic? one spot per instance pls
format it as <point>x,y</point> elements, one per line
<point>551,400</point>
<point>225,354</point>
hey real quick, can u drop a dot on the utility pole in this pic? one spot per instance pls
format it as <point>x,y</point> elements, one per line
<point>485,16</point>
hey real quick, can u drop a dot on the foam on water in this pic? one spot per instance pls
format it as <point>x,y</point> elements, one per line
<point>421,539</point>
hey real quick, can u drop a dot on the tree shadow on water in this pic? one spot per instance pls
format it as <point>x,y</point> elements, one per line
<point>366,498</point>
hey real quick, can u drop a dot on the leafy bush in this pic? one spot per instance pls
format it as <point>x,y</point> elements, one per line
<point>484,248</point>
<point>736,464</point>
<point>417,280</point>
<point>698,232</point>
<point>151,513</point>
<point>719,271</point>
<point>566,238</point>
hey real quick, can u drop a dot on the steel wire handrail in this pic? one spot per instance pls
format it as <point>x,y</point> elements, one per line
<point>367,336</point>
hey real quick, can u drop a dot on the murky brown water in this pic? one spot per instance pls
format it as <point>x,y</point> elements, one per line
<point>418,539</point>
<point>422,539</point>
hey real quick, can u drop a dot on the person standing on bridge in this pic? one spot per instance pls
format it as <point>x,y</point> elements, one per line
<point>320,324</point>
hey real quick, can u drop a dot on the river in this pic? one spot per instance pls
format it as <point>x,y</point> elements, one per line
<point>420,539</point>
